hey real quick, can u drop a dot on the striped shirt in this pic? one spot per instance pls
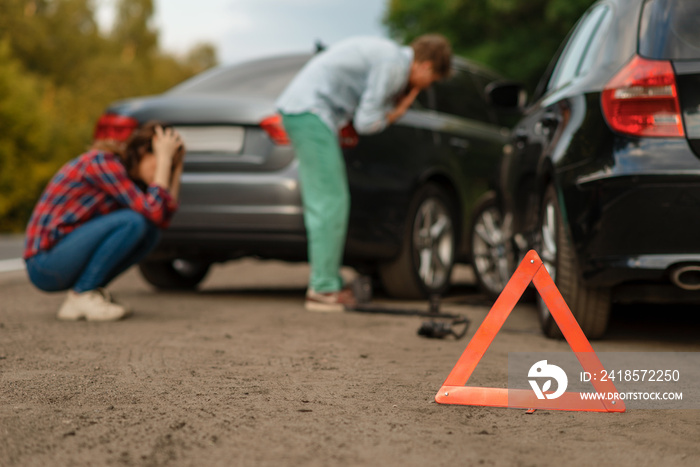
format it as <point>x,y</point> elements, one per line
<point>91,185</point>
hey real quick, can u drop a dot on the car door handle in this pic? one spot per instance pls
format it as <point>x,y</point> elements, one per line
<point>459,143</point>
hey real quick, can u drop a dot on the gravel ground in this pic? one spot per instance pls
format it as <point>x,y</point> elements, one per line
<point>240,374</point>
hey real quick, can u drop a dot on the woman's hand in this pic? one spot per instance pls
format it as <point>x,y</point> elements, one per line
<point>166,143</point>
<point>169,150</point>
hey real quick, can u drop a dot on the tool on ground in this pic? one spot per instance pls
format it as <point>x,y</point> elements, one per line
<point>447,326</point>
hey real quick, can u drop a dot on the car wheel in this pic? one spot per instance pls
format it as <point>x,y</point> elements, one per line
<point>589,305</point>
<point>427,256</point>
<point>492,255</point>
<point>174,274</point>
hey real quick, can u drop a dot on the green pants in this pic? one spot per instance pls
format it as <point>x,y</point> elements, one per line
<point>325,196</point>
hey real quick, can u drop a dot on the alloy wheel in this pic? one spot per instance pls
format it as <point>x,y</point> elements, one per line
<point>433,242</point>
<point>490,252</point>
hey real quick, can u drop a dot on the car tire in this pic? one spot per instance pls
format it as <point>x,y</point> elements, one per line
<point>424,265</point>
<point>589,305</point>
<point>491,251</point>
<point>174,274</point>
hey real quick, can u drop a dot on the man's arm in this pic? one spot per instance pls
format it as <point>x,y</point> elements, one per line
<point>373,114</point>
<point>403,105</point>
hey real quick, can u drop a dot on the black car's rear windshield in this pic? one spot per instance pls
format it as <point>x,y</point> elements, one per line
<point>260,78</point>
<point>670,30</point>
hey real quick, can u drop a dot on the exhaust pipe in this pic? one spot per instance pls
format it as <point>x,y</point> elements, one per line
<point>686,277</point>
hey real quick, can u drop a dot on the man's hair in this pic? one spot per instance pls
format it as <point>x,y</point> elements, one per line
<point>434,48</point>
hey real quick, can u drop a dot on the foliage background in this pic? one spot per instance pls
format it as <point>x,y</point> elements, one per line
<point>58,71</point>
<point>515,37</point>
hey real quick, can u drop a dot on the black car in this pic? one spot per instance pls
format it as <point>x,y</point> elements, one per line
<point>602,174</point>
<point>413,187</point>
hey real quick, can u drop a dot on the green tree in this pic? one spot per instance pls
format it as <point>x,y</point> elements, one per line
<point>25,153</point>
<point>52,38</point>
<point>515,37</point>
<point>201,57</point>
<point>133,31</point>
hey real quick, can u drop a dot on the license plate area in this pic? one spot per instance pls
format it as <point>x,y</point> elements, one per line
<point>213,139</point>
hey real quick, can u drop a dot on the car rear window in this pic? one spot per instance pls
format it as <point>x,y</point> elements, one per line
<point>260,78</point>
<point>670,30</point>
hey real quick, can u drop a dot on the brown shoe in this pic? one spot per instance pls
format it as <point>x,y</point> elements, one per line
<point>330,302</point>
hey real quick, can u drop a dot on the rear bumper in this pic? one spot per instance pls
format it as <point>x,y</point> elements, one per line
<point>230,214</point>
<point>638,218</point>
<point>223,245</point>
<point>219,246</point>
<point>606,271</point>
<point>252,202</point>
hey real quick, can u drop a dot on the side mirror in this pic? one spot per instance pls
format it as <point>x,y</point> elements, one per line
<point>506,95</point>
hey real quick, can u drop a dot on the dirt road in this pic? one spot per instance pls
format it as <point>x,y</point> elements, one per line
<point>240,374</point>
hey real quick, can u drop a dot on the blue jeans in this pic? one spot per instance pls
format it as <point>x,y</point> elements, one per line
<point>95,253</point>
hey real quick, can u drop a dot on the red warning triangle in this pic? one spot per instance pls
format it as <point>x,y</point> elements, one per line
<point>531,269</point>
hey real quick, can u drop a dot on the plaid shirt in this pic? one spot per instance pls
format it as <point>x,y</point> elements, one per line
<point>91,185</point>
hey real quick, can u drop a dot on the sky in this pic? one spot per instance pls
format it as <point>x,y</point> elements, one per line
<point>243,29</point>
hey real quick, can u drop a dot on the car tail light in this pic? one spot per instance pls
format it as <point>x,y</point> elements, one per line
<point>273,127</point>
<point>642,100</point>
<point>348,136</point>
<point>114,127</point>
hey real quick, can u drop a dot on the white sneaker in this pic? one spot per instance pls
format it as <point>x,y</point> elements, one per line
<point>92,305</point>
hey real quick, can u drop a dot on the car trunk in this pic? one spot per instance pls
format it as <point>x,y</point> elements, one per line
<point>222,135</point>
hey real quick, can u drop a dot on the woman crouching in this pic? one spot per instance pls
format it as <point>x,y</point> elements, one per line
<point>100,214</point>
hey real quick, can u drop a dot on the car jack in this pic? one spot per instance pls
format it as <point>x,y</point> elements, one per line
<point>432,329</point>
